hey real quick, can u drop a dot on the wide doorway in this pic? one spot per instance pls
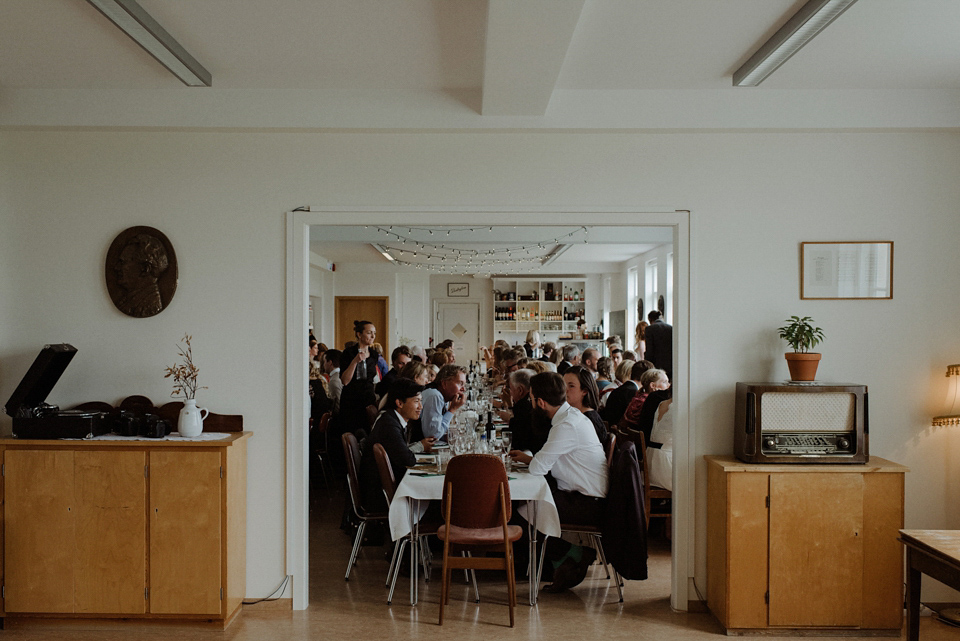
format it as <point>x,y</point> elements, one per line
<point>677,223</point>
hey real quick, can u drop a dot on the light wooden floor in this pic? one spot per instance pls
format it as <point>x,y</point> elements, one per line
<point>357,609</point>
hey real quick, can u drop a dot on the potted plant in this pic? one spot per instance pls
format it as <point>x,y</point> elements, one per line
<point>802,336</point>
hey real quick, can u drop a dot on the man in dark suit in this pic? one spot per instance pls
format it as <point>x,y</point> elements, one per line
<point>619,399</point>
<point>400,357</point>
<point>659,341</point>
<point>571,357</point>
<point>403,404</point>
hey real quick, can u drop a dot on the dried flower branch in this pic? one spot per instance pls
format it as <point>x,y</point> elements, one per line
<point>184,373</point>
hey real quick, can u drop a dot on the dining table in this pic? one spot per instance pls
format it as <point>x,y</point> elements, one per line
<point>424,483</point>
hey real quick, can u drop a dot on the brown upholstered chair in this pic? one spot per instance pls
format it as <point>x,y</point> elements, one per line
<point>609,446</point>
<point>426,528</point>
<point>351,452</point>
<point>476,508</point>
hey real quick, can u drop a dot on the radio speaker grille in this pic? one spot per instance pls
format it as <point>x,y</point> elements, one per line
<point>811,412</point>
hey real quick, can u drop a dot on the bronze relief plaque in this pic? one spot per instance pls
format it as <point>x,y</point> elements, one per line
<point>141,272</point>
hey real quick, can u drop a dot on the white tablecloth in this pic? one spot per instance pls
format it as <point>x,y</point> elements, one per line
<point>421,489</point>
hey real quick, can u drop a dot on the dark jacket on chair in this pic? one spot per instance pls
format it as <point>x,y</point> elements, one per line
<point>388,432</point>
<point>625,526</point>
<point>618,400</point>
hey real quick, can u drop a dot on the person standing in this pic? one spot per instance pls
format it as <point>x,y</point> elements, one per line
<point>358,370</point>
<point>659,343</point>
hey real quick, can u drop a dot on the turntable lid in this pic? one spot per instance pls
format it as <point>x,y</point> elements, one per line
<point>40,378</point>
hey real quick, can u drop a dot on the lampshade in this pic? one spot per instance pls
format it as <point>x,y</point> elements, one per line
<point>952,405</point>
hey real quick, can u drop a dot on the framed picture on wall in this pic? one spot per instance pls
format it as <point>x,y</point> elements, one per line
<point>846,270</point>
<point>458,290</point>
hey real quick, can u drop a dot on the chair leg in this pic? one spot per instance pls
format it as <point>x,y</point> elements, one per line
<point>393,561</point>
<point>356,548</point>
<point>543,554</point>
<point>473,577</point>
<point>425,560</point>
<point>603,557</point>
<point>396,568</point>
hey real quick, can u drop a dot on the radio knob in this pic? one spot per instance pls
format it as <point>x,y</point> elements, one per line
<point>769,442</point>
<point>843,443</point>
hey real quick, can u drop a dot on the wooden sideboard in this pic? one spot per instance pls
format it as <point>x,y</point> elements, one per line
<point>132,529</point>
<point>794,547</point>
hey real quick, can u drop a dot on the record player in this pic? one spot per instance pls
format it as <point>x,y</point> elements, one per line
<point>33,418</point>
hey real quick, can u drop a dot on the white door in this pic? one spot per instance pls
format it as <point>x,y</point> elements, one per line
<point>460,322</point>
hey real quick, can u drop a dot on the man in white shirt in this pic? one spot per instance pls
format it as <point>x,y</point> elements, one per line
<point>577,465</point>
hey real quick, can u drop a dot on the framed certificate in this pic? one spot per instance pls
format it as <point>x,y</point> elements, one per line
<point>846,270</point>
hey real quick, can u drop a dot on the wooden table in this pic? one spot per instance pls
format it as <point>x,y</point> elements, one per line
<point>935,553</point>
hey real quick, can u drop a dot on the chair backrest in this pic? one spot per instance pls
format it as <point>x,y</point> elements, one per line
<point>324,423</point>
<point>609,445</point>
<point>351,452</point>
<point>476,481</point>
<point>387,480</point>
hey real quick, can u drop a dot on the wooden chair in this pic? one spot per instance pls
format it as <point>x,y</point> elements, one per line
<point>426,528</point>
<point>322,443</point>
<point>351,452</point>
<point>651,492</point>
<point>609,446</point>
<point>476,507</point>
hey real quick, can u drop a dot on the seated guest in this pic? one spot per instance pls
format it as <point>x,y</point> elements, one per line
<point>620,398</point>
<point>577,466</point>
<point>605,373</point>
<point>431,372</point>
<point>613,342</point>
<point>528,434</point>
<point>650,381</point>
<point>548,349</point>
<point>416,371</point>
<point>400,357</point>
<point>582,394</point>
<point>417,353</point>
<point>631,356</point>
<point>439,358</point>
<point>538,367</point>
<point>405,403</point>
<point>616,355</point>
<point>331,367</point>
<point>571,357</point>
<point>660,459</point>
<point>589,360</point>
<point>382,366</point>
<point>445,345</point>
<point>648,415</point>
<point>442,399</point>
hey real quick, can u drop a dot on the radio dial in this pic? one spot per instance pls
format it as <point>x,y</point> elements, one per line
<point>769,442</point>
<point>843,443</point>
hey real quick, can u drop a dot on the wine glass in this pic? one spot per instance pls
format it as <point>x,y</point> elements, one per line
<point>506,441</point>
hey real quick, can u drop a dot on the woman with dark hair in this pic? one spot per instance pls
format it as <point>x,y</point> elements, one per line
<point>583,395</point>
<point>358,369</point>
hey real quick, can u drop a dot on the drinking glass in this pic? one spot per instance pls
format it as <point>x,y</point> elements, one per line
<point>506,442</point>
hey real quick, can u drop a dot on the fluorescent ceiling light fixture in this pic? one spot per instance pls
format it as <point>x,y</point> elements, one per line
<point>384,252</point>
<point>554,255</point>
<point>147,32</point>
<point>812,18</point>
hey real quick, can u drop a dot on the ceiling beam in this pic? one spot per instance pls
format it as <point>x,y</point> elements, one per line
<point>526,44</point>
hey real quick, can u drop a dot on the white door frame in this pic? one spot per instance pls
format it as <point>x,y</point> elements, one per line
<point>297,410</point>
<point>435,323</point>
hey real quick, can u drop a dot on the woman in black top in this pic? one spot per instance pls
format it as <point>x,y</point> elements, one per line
<point>358,369</point>
<point>582,394</point>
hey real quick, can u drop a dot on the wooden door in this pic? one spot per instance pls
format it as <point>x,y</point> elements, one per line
<point>110,498</point>
<point>39,528</point>
<point>352,308</point>
<point>816,549</point>
<point>740,522</point>
<point>185,532</point>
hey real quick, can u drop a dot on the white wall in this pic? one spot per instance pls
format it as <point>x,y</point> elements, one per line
<point>220,197</point>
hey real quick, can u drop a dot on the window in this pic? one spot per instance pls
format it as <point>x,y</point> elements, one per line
<point>651,291</point>
<point>633,294</point>
<point>669,318</point>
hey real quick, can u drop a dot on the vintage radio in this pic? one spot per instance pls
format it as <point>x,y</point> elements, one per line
<point>801,423</point>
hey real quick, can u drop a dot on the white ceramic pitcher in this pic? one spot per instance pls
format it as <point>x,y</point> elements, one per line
<point>190,424</point>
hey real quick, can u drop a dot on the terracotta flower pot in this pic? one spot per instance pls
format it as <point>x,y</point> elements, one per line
<point>803,367</point>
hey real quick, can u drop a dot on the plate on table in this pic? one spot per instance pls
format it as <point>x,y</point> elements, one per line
<point>440,446</point>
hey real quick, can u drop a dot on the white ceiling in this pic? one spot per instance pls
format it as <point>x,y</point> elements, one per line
<point>443,64</point>
<point>588,249</point>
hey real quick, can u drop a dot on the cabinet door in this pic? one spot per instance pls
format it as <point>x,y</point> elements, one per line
<point>746,537</point>
<point>110,498</point>
<point>816,549</point>
<point>39,531</point>
<point>185,532</point>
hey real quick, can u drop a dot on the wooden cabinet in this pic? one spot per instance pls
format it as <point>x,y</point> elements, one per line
<point>804,546</point>
<point>132,529</point>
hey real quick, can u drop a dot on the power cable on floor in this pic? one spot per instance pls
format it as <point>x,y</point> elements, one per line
<point>270,597</point>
